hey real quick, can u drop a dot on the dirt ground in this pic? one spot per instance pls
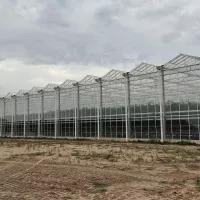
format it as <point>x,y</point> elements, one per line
<point>68,169</point>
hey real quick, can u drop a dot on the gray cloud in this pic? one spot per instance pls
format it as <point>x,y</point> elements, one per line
<point>108,33</point>
<point>169,37</point>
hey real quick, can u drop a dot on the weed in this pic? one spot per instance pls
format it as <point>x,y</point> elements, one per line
<point>108,156</point>
<point>19,144</point>
<point>75,154</point>
<point>65,198</point>
<point>59,155</point>
<point>100,190</point>
<point>197,182</point>
<point>68,189</point>
<point>50,153</point>
<point>52,193</point>
<point>99,187</point>
<point>186,143</point>
<point>39,153</point>
<point>99,184</point>
<point>93,155</point>
<point>153,141</point>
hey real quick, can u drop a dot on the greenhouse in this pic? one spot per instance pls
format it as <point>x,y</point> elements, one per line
<point>149,102</point>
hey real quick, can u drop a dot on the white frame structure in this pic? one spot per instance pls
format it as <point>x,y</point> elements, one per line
<point>149,102</point>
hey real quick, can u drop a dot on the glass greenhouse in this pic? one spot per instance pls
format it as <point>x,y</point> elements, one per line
<point>149,102</point>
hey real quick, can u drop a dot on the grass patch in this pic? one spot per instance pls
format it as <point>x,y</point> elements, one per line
<point>186,153</point>
<point>99,187</point>
<point>77,154</point>
<point>183,142</point>
<point>99,190</point>
<point>37,154</point>
<point>108,156</point>
<point>17,141</point>
<point>94,155</point>
<point>99,184</point>
<point>197,183</point>
<point>28,154</point>
<point>165,142</point>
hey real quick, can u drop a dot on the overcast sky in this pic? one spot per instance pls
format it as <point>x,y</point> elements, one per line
<point>48,41</point>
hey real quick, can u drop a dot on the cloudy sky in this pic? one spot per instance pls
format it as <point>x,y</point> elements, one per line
<point>49,41</point>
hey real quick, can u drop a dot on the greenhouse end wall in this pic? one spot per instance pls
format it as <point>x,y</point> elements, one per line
<point>149,102</point>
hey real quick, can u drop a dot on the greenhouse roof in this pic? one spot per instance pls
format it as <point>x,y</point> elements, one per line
<point>35,90</point>
<point>21,92</point>
<point>183,65</point>
<point>89,79</point>
<point>113,74</point>
<point>67,84</point>
<point>182,60</point>
<point>143,68</point>
<point>9,95</point>
<point>50,87</point>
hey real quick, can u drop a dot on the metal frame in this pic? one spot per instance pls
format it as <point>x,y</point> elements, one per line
<point>149,102</point>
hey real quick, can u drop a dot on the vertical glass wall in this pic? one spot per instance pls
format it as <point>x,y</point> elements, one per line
<point>146,103</point>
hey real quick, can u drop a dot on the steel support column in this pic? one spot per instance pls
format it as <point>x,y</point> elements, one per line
<point>40,112</point>
<point>24,115</point>
<point>1,127</point>
<point>100,108</point>
<point>2,117</point>
<point>57,111</point>
<point>13,114</point>
<point>127,105</point>
<point>28,115</point>
<point>77,110</point>
<point>26,112</point>
<point>58,115</point>
<point>162,102</point>
<point>1,123</point>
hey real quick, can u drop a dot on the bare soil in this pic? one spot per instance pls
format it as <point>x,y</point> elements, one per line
<point>68,169</point>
